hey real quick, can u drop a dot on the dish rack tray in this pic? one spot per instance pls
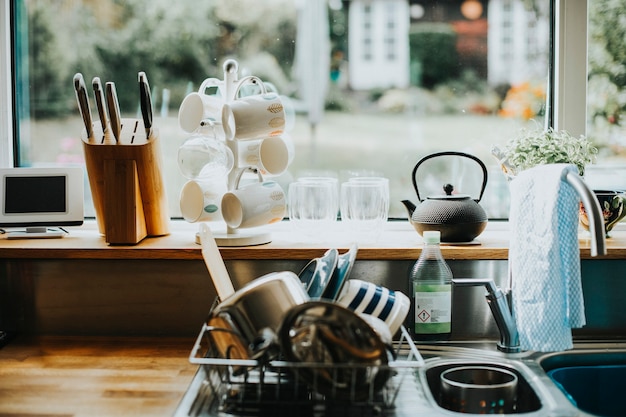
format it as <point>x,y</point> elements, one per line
<point>237,387</point>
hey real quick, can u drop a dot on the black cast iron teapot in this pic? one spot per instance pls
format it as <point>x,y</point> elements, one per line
<point>458,217</point>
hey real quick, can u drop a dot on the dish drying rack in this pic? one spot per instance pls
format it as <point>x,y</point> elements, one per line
<point>275,388</point>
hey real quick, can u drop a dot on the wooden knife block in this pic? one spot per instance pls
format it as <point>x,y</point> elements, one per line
<point>126,183</point>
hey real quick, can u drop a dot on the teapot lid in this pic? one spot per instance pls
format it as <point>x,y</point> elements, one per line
<point>448,188</point>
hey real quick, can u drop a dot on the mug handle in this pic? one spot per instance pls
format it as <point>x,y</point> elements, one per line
<point>252,79</point>
<point>240,174</point>
<point>209,82</point>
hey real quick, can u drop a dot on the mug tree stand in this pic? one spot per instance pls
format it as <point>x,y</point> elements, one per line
<point>229,88</point>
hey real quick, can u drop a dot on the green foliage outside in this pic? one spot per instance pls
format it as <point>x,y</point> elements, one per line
<point>47,67</point>
<point>607,67</point>
<point>433,47</point>
<point>178,44</point>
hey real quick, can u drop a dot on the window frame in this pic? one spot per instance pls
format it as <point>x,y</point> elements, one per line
<point>7,139</point>
<point>569,60</point>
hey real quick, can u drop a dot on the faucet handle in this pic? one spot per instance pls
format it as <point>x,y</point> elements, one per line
<point>489,283</point>
<point>499,306</point>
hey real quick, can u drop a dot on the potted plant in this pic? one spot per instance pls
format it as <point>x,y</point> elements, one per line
<point>536,147</point>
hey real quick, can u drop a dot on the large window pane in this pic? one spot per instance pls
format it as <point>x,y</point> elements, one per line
<point>401,79</point>
<point>606,93</point>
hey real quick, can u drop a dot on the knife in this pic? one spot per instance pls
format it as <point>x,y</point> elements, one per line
<point>99,93</point>
<point>145,101</point>
<point>83,102</point>
<point>113,107</point>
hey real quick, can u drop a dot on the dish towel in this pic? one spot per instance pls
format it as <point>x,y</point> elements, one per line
<point>544,258</point>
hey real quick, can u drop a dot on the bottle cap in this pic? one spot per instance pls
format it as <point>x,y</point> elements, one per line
<point>432,237</point>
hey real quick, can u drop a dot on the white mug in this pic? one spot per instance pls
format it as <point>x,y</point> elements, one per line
<point>366,297</point>
<point>254,204</point>
<point>254,117</point>
<point>271,155</point>
<point>197,108</point>
<point>200,201</point>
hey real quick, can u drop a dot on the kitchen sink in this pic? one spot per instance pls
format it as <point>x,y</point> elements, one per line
<point>527,400</point>
<point>559,384</point>
<point>593,380</point>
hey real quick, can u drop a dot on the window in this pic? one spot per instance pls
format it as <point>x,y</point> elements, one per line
<point>390,32</point>
<point>456,81</point>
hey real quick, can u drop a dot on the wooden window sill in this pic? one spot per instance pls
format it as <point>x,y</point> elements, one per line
<point>398,242</point>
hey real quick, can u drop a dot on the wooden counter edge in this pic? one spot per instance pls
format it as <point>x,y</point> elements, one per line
<point>401,242</point>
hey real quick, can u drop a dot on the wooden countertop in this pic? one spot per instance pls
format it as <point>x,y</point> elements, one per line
<point>74,376</point>
<point>398,242</point>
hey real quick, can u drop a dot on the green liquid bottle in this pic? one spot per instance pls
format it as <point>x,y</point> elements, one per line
<point>431,288</point>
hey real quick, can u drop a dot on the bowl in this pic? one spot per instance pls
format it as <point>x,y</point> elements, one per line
<point>368,298</point>
<point>345,262</point>
<point>479,390</point>
<point>612,204</point>
<point>318,273</point>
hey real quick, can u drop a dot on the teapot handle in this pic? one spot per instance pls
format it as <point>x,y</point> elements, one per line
<point>451,153</point>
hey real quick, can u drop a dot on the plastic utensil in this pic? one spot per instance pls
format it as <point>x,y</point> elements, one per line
<point>215,264</point>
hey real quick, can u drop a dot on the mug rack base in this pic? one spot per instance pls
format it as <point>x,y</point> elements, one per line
<point>241,238</point>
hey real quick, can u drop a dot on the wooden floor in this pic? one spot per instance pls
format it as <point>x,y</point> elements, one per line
<point>72,376</point>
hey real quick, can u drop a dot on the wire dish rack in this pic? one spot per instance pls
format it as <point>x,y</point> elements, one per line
<point>241,387</point>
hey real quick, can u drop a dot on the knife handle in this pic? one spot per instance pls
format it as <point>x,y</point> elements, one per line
<point>145,101</point>
<point>99,93</point>
<point>113,107</point>
<point>83,102</point>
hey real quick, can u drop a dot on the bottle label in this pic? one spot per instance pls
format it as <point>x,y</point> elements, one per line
<point>433,308</point>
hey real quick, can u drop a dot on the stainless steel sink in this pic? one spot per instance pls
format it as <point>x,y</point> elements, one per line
<point>592,379</point>
<point>527,399</point>
<point>538,395</point>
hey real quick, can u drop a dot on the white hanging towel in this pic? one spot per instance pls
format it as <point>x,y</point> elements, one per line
<point>544,258</point>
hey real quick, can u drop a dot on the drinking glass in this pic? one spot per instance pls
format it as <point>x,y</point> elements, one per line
<point>365,207</point>
<point>313,206</point>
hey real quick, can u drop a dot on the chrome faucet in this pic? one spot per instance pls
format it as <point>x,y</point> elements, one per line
<point>500,305</point>
<point>500,300</point>
<point>594,213</point>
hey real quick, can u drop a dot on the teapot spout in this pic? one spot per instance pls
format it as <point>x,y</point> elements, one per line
<point>410,208</point>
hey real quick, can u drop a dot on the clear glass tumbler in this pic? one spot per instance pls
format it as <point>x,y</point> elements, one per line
<point>313,205</point>
<point>364,205</point>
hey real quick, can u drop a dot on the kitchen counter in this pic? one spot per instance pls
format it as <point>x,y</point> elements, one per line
<point>79,285</point>
<point>398,242</point>
<point>94,376</point>
<point>80,305</point>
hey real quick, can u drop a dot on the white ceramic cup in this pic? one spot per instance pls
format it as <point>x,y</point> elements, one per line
<point>365,297</point>
<point>364,203</point>
<point>200,201</point>
<point>199,107</point>
<point>313,204</point>
<point>254,205</point>
<point>254,117</point>
<point>270,155</point>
